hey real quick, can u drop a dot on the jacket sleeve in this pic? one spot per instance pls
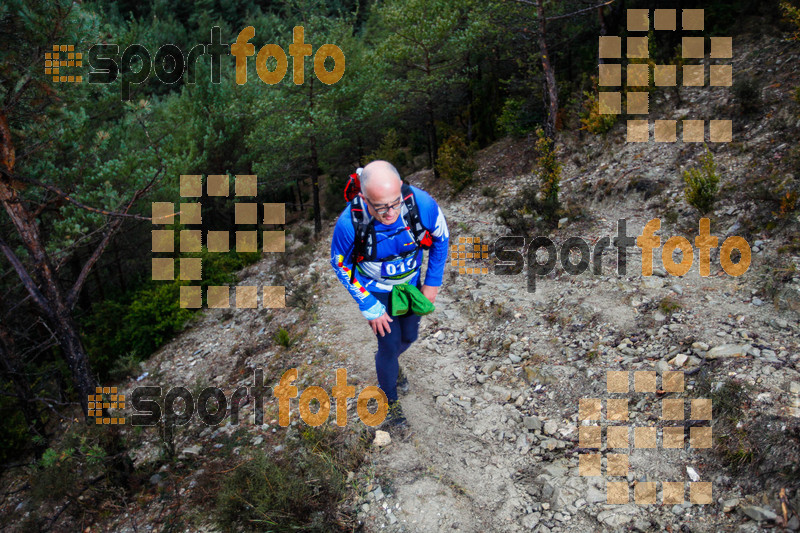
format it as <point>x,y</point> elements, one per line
<point>433,219</point>
<point>341,249</point>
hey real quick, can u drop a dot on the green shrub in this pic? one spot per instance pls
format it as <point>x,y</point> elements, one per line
<point>516,120</point>
<point>300,491</point>
<point>126,365</point>
<point>591,118</point>
<point>302,295</point>
<point>511,217</point>
<point>536,205</point>
<point>283,338</point>
<point>788,204</point>
<point>141,321</point>
<point>55,475</point>
<point>137,328</point>
<point>669,305</point>
<point>78,457</point>
<point>671,216</point>
<point>152,318</point>
<point>489,191</point>
<point>265,495</point>
<point>303,234</point>
<point>455,162</point>
<point>593,121</point>
<point>792,15</point>
<point>702,183</point>
<point>390,150</point>
<point>14,436</point>
<point>549,176</point>
<point>732,442</point>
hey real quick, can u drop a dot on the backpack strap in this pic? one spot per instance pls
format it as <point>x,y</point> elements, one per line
<point>422,236</point>
<point>364,239</point>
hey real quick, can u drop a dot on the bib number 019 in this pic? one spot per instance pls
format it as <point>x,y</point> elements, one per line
<point>399,267</point>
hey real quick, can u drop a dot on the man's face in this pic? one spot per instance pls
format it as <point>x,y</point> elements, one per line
<point>379,201</point>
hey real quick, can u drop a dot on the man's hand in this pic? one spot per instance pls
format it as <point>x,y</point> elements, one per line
<point>430,292</point>
<point>381,324</point>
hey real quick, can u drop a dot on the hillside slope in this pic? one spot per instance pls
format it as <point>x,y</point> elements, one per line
<point>498,372</point>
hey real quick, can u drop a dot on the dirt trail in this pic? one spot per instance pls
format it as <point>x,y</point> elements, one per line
<point>433,491</point>
<point>457,471</point>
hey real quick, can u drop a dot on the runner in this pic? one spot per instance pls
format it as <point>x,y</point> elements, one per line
<point>384,230</point>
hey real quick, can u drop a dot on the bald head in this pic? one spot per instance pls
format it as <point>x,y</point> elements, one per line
<point>381,183</point>
<point>379,174</point>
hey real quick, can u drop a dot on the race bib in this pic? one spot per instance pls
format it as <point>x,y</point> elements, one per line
<point>399,267</point>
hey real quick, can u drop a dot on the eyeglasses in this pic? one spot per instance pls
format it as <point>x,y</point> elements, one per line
<point>385,209</point>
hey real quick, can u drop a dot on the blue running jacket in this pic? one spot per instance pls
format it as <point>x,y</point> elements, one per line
<point>396,238</point>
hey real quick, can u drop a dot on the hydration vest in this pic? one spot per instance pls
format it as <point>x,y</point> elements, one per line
<point>364,245</point>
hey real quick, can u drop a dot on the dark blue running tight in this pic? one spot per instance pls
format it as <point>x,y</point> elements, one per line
<point>404,332</point>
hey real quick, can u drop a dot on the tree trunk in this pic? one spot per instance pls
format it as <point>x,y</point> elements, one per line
<point>314,161</point>
<point>551,90</point>
<point>45,290</point>
<point>433,144</point>
<point>315,183</point>
<point>101,293</point>
<point>300,195</point>
<point>75,264</point>
<point>470,99</point>
<point>430,147</point>
<point>603,30</point>
<point>73,352</point>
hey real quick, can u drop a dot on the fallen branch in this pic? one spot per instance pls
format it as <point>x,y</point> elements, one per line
<point>53,520</point>
<point>234,468</point>
<point>623,175</point>
<point>696,370</point>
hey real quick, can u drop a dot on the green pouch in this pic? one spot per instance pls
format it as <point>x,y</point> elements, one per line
<point>405,296</point>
